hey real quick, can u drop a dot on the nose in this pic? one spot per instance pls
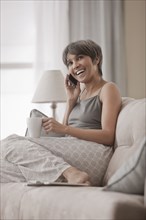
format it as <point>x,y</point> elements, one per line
<point>75,64</point>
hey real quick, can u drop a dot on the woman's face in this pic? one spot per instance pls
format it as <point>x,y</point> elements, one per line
<point>81,67</point>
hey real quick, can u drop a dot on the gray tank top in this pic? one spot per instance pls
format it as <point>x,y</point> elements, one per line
<point>86,114</point>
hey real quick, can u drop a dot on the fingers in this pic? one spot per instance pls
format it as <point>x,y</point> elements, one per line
<point>49,124</point>
<point>46,122</point>
<point>67,81</point>
<point>44,119</point>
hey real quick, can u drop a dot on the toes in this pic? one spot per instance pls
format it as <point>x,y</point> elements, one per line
<point>88,183</point>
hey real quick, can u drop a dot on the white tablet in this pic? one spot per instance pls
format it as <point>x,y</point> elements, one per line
<point>39,183</point>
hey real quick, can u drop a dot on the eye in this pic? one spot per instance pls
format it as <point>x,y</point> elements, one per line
<point>80,57</point>
<point>69,63</point>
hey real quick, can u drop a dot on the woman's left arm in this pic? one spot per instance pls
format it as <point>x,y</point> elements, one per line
<point>111,106</point>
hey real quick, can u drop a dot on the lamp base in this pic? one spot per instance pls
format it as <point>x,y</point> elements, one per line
<point>54,106</point>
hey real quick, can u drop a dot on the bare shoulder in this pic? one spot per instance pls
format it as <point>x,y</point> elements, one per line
<point>110,85</point>
<point>110,91</point>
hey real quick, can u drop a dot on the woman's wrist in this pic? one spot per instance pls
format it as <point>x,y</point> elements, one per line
<point>66,129</point>
<point>71,102</point>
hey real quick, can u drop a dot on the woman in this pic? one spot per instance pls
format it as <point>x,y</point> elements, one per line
<point>89,125</point>
<point>91,112</point>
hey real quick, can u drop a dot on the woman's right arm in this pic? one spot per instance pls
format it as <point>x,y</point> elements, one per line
<point>72,96</point>
<point>68,110</point>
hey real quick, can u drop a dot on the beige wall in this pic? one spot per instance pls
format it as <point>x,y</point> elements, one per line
<point>135,29</point>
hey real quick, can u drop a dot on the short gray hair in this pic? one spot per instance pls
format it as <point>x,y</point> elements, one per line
<point>84,47</point>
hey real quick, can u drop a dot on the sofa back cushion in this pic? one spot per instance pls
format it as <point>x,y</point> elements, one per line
<point>130,132</point>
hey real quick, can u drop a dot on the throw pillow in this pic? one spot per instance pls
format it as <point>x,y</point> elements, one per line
<point>130,177</point>
<point>145,193</point>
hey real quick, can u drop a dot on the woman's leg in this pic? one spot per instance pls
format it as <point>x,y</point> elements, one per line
<point>38,163</point>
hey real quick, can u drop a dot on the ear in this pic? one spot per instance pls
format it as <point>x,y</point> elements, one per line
<point>96,61</point>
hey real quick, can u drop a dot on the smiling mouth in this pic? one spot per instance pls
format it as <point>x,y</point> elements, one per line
<point>79,72</point>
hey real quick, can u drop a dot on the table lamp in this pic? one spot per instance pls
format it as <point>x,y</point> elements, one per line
<point>50,89</point>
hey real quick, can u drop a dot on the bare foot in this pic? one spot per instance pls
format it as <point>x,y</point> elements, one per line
<point>75,176</point>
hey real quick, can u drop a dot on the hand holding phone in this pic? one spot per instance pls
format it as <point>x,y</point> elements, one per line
<point>72,80</point>
<point>72,88</point>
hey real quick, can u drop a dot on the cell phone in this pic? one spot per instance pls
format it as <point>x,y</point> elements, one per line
<point>72,80</point>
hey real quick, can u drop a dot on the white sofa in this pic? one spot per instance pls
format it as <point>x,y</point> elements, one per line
<point>121,197</point>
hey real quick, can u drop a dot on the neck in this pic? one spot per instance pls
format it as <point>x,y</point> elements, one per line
<point>94,85</point>
<point>92,89</point>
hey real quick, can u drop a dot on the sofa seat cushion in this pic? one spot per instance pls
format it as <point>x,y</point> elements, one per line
<point>60,202</point>
<point>130,132</point>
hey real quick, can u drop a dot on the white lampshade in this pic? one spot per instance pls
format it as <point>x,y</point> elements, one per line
<point>50,88</point>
